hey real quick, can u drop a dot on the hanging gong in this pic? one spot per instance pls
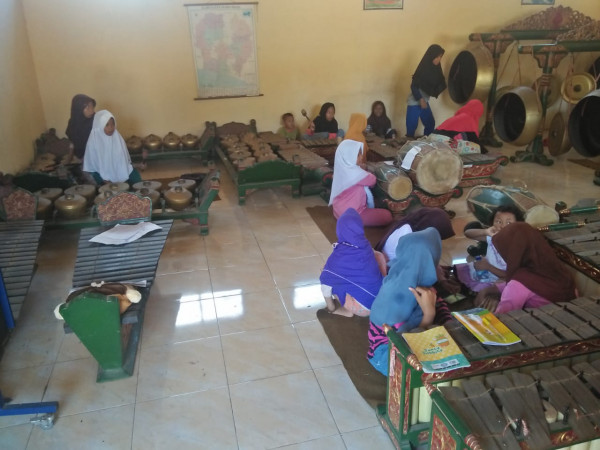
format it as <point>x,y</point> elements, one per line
<point>553,90</point>
<point>577,86</point>
<point>558,137</point>
<point>517,116</point>
<point>584,130</point>
<point>471,74</point>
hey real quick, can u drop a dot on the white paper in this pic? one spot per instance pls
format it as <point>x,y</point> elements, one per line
<point>410,157</point>
<point>124,234</point>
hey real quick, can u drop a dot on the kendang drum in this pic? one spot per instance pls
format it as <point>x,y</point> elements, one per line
<point>433,166</point>
<point>392,180</point>
<point>482,200</point>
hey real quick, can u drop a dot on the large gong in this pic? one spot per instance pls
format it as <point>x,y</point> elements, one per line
<point>517,115</point>
<point>471,74</point>
<point>584,125</point>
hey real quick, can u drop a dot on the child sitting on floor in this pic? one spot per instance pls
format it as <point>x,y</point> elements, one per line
<point>352,274</point>
<point>406,299</point>
<point>324,126</point>
<point>534,275</point>
<point>106,156</point>
<point>379,123</point>
<point>350,187</point>
<point>492,264</point>
<point>289,129</point>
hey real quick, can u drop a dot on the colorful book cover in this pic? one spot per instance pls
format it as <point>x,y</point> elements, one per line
<point>436,350</point>
<point>486,327</point>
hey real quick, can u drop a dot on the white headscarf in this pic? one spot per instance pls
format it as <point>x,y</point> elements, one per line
<point>105,154</point>
<point>345,171</point>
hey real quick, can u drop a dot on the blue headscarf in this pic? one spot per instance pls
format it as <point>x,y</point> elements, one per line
<point>417,256</point>
<point>352,268</point>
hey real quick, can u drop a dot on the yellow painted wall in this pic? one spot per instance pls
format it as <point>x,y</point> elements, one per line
<point>21,114</point>
<point>135,57</point>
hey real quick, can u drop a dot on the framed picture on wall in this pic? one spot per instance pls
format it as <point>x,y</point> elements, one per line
<point>383,4</point>
<point>537,2</point>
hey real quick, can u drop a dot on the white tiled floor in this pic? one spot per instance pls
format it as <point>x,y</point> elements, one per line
<point>231,354</point>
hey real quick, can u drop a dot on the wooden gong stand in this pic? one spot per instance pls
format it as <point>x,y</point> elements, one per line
<point>548,56</point>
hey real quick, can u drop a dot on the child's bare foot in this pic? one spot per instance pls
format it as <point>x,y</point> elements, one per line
<point>331,304</point>
<point>335,308</point>
<point>341,311</point>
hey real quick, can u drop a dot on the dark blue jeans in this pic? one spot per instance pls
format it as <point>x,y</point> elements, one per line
<point>413,113</point>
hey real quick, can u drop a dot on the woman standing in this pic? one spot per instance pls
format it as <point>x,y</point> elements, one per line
<point>427,81</point>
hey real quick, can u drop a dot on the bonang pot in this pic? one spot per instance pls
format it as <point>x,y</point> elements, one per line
<point>88,191</point>
<point>189,141</point>
<point>190,185</point>
<point>152,142</point>
<point>115,187</point>
<point>134,144</point>
<point>154,195</point>
<point>50,193</point>
<point>70,206</point>
<point>178,198</point>
<point>171,141</point>
<point>148,184</point>
<point>44,209</point>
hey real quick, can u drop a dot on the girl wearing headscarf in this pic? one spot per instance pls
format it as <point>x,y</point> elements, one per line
<point>351,273</point>
<point>415,221</point>
<point>406,299</point>
<point>356,130</point>
<point>106,155</point>
<point>379,123</point>
<point>324,126</point>
<point>427,81</point>
<point>464,125</point>
<point>534,275</point>
<point>350,187</point>
<point>80,123</point>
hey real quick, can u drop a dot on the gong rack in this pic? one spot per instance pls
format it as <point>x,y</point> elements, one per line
<point>548,56</point>
<point>497,43</point>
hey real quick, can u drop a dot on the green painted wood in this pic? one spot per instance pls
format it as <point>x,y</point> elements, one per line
<point>95,319</point>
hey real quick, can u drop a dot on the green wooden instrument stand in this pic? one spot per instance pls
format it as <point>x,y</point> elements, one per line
<point>96,321</point>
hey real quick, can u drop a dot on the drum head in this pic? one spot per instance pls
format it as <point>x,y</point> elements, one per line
<point>439,171</point>
<point>400,187</point>
<point>541,215</point>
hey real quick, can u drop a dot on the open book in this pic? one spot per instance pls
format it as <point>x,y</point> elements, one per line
<point>436,350</point>
<point>486,327</point>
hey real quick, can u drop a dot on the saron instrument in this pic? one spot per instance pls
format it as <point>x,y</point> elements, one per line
<point>559,343</point>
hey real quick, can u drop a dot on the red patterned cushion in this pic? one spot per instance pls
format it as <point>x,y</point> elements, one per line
<point>19,205</point>
<point>125,206</point>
